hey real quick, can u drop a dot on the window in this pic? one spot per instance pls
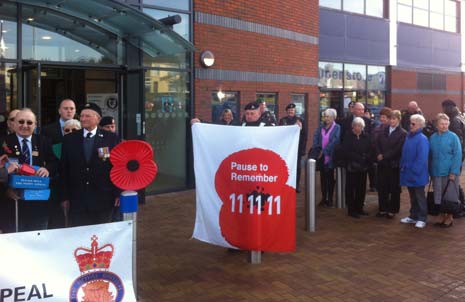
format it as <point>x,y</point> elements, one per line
<point>342,83</point>
<point>331,3</point>
<point>369,7</point>
<point>176,4</point>
<point>271,100</point>
<point>354,77</point>
<point>431,81</point>
<point>354,6</point>
<point>8,31</point>
<point>330,75</point>
<point>181,28</point>
<point>437,14</point>
<point>230,100</point>
<point>299,100</point>
<point>8,87</point>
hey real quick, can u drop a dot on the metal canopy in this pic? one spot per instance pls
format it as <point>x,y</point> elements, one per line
<point>102,24</point>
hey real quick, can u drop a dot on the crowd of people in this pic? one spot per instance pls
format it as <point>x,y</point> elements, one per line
<point>73,154</point>
<point>401,149</point>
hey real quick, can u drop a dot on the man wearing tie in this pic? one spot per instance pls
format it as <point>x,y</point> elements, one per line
<point>85,171</point>
<point>32,149</point>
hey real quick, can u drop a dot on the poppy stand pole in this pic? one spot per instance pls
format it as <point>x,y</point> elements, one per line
<point>16,215</point>
<point>128,206</point>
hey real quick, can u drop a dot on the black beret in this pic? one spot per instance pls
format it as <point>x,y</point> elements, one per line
<point>351,103</point>
<point>94,107</point>
<point>291,105</point>
<point>106,120</point>
<point>252,106</point>
<point>448,103</point>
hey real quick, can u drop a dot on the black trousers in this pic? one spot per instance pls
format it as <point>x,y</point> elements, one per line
<point>389,189</point>
<point>90,217</point>
<point>7,215</point>
<point>372,177</point>
<point>327,184</point>
<point>356,183</point>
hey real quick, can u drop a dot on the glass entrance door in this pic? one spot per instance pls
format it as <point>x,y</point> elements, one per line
<point>31,85</point>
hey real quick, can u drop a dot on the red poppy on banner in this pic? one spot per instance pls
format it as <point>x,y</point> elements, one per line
<point>258,210</point>
<point>133,165</point>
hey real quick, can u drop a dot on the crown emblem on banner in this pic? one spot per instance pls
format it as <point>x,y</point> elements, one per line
<point>95,257</point>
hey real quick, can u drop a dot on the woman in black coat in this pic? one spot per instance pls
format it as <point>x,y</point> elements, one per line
<point>356,148</point>
<point>388,152</point>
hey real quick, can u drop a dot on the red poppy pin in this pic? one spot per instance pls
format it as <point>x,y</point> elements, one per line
<point>6,148</point>
<point>133,165</point>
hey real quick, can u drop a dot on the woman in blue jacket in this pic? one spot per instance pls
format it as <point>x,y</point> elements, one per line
<point>446,160</point>
<point>414,171</point>
<point>325,139</point>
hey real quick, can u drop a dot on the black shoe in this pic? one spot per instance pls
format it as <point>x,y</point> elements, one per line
<point>298,190</point>
<point>381,214</point>
<point>363,213</point>
<point>354,215</point>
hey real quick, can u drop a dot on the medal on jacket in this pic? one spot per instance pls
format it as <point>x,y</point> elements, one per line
<point>104,153</point>
<point>17,151</point>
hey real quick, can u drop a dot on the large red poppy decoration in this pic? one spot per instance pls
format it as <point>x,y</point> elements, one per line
<point>133,165</point>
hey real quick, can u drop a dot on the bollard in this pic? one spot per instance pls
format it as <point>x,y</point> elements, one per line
<point>310,196</point>
<point>255,257</point>
<point>339,191</point>
<point>128,206</point>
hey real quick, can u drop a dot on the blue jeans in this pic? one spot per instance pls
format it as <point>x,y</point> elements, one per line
<point>418,204</point>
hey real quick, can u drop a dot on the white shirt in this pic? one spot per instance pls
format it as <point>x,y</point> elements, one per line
<point>93,132</point>
<point>391,129</point>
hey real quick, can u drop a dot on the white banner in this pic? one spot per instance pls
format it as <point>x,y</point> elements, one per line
<point>91,263</point>
<point>245,186</point>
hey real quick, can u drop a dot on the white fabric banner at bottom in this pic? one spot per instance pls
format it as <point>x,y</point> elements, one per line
<point>90,263</point>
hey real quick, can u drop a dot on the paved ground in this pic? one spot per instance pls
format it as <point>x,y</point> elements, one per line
<point>371,259</point>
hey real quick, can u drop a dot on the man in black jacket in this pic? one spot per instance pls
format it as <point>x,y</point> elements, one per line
<point>31,149</point>
<point>293,119</point>
<point>357,111</point>
<point>54,131</point>
<point>85,171</point>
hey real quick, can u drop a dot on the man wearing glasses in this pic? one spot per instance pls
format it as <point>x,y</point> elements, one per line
<point>55,131</point>
<point>25,147</point>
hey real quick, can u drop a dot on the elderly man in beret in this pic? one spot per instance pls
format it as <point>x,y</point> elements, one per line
<point>85,171</point>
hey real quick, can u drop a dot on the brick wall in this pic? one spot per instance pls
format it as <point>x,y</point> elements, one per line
<point>404,89</point>
<point>247,51</point>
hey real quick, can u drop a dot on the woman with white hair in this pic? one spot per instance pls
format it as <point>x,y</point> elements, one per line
<point>445,164</point>
<point>357,151</point>
<point>326,137</point>
<point>414,171</point>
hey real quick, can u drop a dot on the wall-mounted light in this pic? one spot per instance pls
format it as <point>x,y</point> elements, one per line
<point>207,59</point>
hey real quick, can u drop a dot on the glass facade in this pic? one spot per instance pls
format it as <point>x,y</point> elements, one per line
<point>373,8</point>
<point>342,83</point>
<point>63,55</point>
<point>437,14</point>
<point>167,125</point>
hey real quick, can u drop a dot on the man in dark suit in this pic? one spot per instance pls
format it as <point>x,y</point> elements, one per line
<point>54,131</point>
<point>31,149</point>
<point>85,171</point>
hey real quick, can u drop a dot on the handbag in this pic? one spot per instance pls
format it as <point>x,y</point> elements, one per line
<point>450,205</point>
<point>433,208</point>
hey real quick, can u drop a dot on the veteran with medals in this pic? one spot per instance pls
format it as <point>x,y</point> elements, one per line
<point>85,171</point>
<point>25,147</point>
